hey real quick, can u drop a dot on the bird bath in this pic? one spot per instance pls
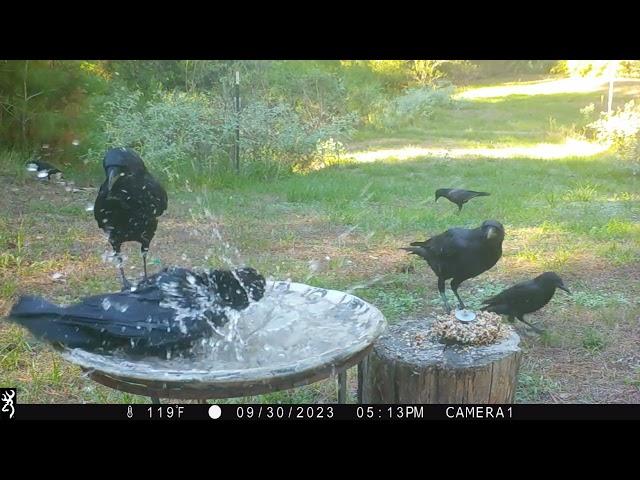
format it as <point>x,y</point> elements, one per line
<point>295,335</point>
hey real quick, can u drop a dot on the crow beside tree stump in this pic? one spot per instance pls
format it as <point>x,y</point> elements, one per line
<point>407,365</point>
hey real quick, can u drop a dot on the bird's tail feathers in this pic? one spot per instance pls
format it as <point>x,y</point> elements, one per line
<point>29,305</point>
<point>415,250</point>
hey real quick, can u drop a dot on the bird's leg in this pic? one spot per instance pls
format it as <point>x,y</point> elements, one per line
<point>459,208</point>
<point>533,327</point>
<point>454,287</point>
<point>125,283</point>
<point>443,295</point>
<point>144,262</point>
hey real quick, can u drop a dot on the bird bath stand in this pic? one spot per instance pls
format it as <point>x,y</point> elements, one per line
<point>343,338</point>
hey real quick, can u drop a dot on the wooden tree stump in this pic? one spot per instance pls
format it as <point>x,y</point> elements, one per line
<point>400,371</point>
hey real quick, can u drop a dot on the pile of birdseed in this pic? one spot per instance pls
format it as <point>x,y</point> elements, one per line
<point>486,329</point>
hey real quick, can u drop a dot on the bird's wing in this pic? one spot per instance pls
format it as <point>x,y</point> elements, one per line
<point>100,205</point>
<point>519,294</point>
<point>156,195</point>
<point>448,244</point>
<point>478,194</point>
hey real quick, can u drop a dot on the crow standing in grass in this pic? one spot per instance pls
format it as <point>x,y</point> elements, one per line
<point>128,204</point>
<point>459,254</point>
<point>164,316</point>
<point>43,169</point>
<point>458,196</point>
<point>525,297</point>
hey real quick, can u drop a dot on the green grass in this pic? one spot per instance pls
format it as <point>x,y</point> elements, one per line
<point>593,340</point>
<point>507,120</point>
<point>534,387</point>
<point>575,215</point>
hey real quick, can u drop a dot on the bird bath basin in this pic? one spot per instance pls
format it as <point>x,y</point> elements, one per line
<point>295,335</point>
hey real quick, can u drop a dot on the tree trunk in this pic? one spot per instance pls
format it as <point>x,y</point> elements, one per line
<point>400,371</point>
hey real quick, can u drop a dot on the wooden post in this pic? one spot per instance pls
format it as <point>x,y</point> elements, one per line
<point>342,387</point>
<point>401,371</point>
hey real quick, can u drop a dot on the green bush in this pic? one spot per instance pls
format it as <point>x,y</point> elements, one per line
<point>180,132</point>
<point>621,129</point>
<point>416,104</point>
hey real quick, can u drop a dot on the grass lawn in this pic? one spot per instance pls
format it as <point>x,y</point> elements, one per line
<point>569,207</point>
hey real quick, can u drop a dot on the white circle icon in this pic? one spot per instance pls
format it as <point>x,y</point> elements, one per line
<point>215,411</point>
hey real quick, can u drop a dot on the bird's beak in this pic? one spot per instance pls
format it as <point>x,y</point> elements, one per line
<point>114,173</point>
<point>492,232</point>
<point>562,287</point>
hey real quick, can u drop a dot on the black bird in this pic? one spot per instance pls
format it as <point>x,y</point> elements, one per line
<point>164,316</point>
<point>525,297</point>
<point>458,196</point>
<point>128,204</point>
<point>459,254</point>
<point>43,169</point>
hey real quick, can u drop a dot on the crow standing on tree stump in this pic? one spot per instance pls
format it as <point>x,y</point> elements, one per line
<point>165,316</point>
<point>459,254</point>
<point>458,196</point>
<point>525,297</point>
<point>128,204</point>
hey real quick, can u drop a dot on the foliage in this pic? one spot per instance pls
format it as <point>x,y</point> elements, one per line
<point>48,102</point>
<point>621,129</point>
<point>177,129</point>
<point>416,104</point>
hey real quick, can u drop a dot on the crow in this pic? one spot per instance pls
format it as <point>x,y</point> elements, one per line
<point>164,316</point>
<point>458,196</point>
<point>44,169</point>
<point>460,254</point>
<point>128,203</point>
<point>525,297</point>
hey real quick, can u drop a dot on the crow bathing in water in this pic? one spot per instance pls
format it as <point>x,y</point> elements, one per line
<point>460,254</point>
<point>128,203</point>
<point>525,297</point>
<point>458,196</point>
<point>164,316</point>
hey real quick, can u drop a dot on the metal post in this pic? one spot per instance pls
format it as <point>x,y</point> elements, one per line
<point>237,102</point>
<point>155,400</point>
<point>610,103</point>
<point>613,70</point>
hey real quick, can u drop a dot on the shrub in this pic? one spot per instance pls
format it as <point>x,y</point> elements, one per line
<point>416,104</point>
<point>174,130</point>
<point>622,130</point>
